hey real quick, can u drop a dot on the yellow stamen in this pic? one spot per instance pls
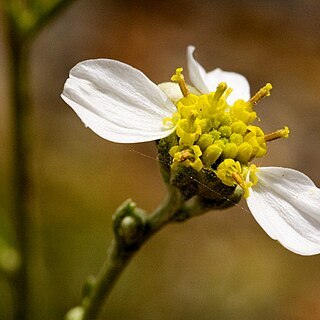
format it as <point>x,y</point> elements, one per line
<point>263,92</point>
<point>191,119</point>
<point>282,133</point>
<point>179,78</point>
<point>221,88</point>
<point>239,180</point>
<point>184,155</point>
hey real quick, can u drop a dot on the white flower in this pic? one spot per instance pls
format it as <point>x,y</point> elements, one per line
<point>120,104</point>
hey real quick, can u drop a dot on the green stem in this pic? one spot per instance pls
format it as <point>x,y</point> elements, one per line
<point>18,53</point>
<point>109,274</point>
<point>120,255</point>
<point>133,228</point>
<point>46,16</point>
<point>19,38</point>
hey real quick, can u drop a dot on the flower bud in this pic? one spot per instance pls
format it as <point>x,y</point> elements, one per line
<point>245,151</point>
<point>239,127</point>
<point>236,138</point>
<point>205,141</point>
<point>230,151</point>
<point>211,154</point>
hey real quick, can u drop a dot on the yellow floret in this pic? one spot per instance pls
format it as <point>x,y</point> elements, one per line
<point>239,127</point>
<point>226,169</point>
<point>230,151</point>
<point>187,156</point>
<point>245,151</point>
<point>242,110</point>
<point>188,130</point>
<point>211,155</point>
<point>236,138</point>
<point>205,141</point>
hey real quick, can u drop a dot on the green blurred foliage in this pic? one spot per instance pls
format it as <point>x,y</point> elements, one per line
<point>218,266</point>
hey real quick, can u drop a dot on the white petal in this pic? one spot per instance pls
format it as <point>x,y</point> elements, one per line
<point>208,82</point>
<point>197,74</point>
<point>117,101</point>
<point>173,92</point>
<point>286,204</point>
<point>238,83</point>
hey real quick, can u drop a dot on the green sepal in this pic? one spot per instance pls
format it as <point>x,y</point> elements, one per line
<point>211,187</point>
<point>186,180</point>
<point>164,145</point>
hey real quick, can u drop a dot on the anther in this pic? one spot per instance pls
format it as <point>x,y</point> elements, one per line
<point>282,133</point>
<point>263,92</point>
<point>179,78</point>
<point>184,155</point>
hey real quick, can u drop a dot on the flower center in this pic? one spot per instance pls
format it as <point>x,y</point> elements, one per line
<point>217,135</point>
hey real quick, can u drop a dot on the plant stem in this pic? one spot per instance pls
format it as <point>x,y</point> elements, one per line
<point>44,17</point>
<point>110,272</point>
<point>18,54</point>
<point>119,255</point>
<point>19,40</point>
<point>129,236</point>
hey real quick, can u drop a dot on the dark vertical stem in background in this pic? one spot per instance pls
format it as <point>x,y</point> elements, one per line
<point>20,37</point>
<point>20,180</point>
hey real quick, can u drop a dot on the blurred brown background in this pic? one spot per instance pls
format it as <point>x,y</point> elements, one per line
<point>218,266</point>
